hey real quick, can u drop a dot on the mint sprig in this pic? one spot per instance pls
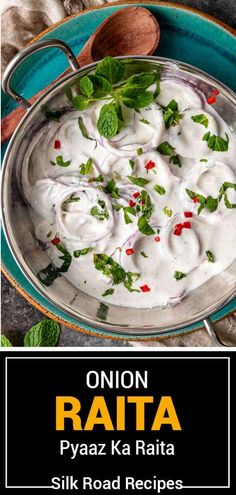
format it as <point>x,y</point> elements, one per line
<point>103,84</point>
<point>216,143</point>
<point>45,334</point>
<point>171,114</point>
<point>110,268</point>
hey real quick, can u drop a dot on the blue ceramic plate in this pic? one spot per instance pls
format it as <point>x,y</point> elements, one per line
<point>186,35</point>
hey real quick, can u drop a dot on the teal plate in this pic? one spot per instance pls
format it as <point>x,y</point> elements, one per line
<point>186,35</point>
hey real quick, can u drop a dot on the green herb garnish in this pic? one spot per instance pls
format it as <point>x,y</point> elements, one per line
<point>83,129</point>
<point>108,292</point>
<point>45,334</point>
<point>110,268</point>
<point>5,342</point>
<point>179,275</point>
<point>171,114</point>
<point>216,143</point>
<point>210,256</point>
<point>138,181</point>
<point>139,151</point>
<point>85,168</point>
<point>167,212</point>
<point>144,254</point>
<point>112,189</point>
<point>144,226</point>
<point>175,159</point>
<point>71,199</point>
<point>81,252</point>
<point>200,119</point>
<point>159,189</point>
<point>165,149</point>
<point>100,214</point>
<point>131,164</point>
<point>61,162</point>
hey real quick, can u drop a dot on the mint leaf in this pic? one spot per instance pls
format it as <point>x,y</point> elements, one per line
<point>81,252</point>
<point>142,100</point>
<point>110,68</point>
<point>175,159</point>
<point>110,268</point>
<point>144,227</point>
<point>80,102</point>
<point>200,119</point>
<point>139,81</point>
<point>209,203</point>
<point>101,87</point>
<point>171,114</point>
<point>127,210</point>
<point>102,311</point>
<point>66,258</point>
<point>179,275</point>
<point>111,189</point>
<point>167,212</point>
<point>86,86</point>
<point>108,292</point>
<point>85,168</point>
<point>99,178</point>
<point>159,189</point>
<point>100,214</point>
<point>48,275</point>
<point>146,204</point>
<point>165,149</point>
<point>61,162</point>
<point>138,181</point>
<point>108,122</point>
<point>45,334</point>
<point>83,129</point>
<point>210,256</point>
<point>5,342</point>
<point>223,190</point>
<point>216,143</point>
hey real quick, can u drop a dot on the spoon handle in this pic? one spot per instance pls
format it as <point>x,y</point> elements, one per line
<point>11,121</point>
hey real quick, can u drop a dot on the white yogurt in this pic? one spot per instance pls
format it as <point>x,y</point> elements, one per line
<point>61,199</point>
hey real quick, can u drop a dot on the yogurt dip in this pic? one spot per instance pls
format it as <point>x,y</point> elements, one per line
<point>143,218</point>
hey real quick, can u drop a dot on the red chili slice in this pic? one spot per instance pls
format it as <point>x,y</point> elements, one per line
<point>215,92</point>
<point>55,241</point>
<point>187,225</point>
<point>149,165</point>
<point>136,195</point>
<point>211,100</point>
<point>131,203</point>
<point>195,200</point>
<point>157,238</point>
<point>129,251</point>
<point>143,202</point>
<point>145,288</point>
<point>179,226</point>
<point>177,231</point>
<point>57,144</point>
<point>188,214</point>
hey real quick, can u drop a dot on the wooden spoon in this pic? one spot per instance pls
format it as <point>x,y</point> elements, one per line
<point>129,31</point>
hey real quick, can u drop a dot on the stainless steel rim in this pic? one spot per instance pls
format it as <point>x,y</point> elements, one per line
<point>107,328</point>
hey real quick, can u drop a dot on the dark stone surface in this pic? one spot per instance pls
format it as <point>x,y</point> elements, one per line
<point>17,314</point>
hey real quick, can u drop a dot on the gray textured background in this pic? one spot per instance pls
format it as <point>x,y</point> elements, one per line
<point>17,314</point>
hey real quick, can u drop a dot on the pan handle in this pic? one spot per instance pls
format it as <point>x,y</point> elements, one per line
<point>212,333</point>
<point>39,45</point>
